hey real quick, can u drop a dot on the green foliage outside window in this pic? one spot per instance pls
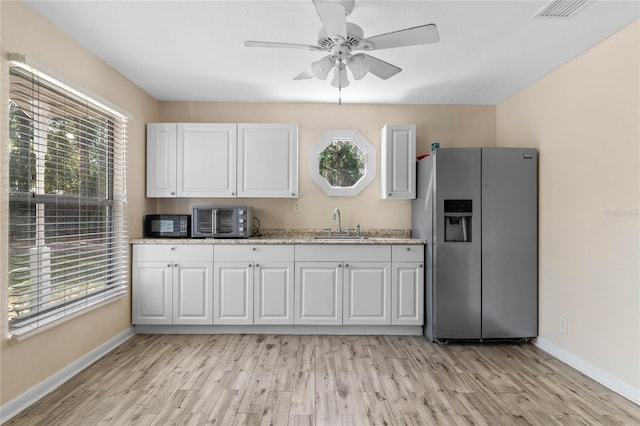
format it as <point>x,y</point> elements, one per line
<point>342,163</point>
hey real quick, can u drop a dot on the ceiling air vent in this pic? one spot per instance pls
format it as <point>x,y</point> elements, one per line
<point>561,9</point>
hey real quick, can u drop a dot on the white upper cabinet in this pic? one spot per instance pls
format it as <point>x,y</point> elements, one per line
<point>161,160</point>
<point>398,161</point>
<point>268,160</point>
<point>222,160</point>
<point>206,161</point>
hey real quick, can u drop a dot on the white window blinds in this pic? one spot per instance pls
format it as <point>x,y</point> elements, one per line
<point>67,221</point>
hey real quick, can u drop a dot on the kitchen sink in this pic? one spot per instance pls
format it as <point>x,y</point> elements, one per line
<point>340,238</point>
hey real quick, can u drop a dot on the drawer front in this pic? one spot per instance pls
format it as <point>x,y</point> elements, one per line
<point>340,253</point>
<point>173,252</point>
<point>253,252</point>
<point>402,253</point>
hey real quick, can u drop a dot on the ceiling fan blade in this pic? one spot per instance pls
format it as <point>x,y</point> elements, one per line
<point>274,44</point>
<point>423,34</point>
<point>380,68</point>
<point>304,75</point>
<point>333,16</point>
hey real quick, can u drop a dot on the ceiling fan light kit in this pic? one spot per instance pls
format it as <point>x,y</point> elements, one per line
<point>340,38</point>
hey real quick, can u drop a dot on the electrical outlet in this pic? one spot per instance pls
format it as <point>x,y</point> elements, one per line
<point>563,326</point>
<point>296,206</point>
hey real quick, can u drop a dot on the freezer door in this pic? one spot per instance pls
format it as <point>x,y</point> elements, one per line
<point>509,243</point>
<point>456,258</point>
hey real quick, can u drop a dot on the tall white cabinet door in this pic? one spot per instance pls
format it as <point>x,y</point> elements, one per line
<point>161,160</point>
<point>152,302</point>
<point>407,293</point>
<point>273,293</point>
<point>233,293</point>
<point>398,161</point>
<point>206,160</point>
<point>192,287</point>
<point>318,293</point>
<point>367,293</point>
<point>268,160</point>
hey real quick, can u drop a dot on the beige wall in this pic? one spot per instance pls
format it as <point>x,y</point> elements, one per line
<point>451,125</point>
<point>27,363</point>
<point>585,120</point>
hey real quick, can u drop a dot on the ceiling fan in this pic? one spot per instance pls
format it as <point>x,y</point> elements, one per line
<point>341,38</point>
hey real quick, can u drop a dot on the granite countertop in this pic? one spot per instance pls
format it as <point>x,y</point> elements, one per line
<point>373,237</point>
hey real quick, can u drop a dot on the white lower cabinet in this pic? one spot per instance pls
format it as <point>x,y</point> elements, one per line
<point>279,284</point>
<point>273,293</point>
<point>152,287</point>
<point>318,292</point>
<point>172,284</point>
<point>407,285</point>
<point>233,293</point>
<point>367,293</point>
<point>253,284</point>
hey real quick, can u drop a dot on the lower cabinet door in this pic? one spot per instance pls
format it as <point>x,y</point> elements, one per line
<point>233,292</point>
<point>273,293</point>
<point>407,293</point>
<point>152,303</point>
<point>367,293</point>
<point>318,293</point>
<point>192,288</point>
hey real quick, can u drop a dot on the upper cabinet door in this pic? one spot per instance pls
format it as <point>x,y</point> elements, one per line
<point>161,160</point>
<point>268,160</point>
<point>398,161</point>
<point>206,160</point>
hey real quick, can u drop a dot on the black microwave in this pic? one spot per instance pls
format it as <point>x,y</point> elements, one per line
<point>167,226</point>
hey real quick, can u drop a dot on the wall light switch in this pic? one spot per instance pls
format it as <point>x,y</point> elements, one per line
<point>296,206</point>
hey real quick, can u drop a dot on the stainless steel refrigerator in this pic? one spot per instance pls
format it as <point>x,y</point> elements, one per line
<point>477,209</point>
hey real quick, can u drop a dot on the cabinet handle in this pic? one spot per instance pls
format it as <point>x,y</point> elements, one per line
<point>421,265</point>
<point>293,193</point>
<point>346,265</point>
<point>408,248</point>
<point>389,194</point>
<point>175,264</point>
<point>254,249</point>
<point>173,248</point>
<point>173,193</point>
<point>251,265</point>
<point>257,265</point>
<point>233,193</point>
<point>339,265</point>
<point>169,266</point>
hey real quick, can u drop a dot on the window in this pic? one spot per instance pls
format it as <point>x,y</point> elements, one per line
<point>67,218</point>
<point>342,163</point>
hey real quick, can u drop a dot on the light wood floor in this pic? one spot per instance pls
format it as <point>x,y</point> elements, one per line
<point>327,380</point>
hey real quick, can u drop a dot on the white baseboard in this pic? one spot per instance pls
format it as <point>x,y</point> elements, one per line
<point>597,374</point>
<point>24,400</point>
<point>400,330</point>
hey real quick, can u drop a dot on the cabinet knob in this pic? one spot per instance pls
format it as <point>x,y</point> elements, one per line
<point>293,193</point>
<point>251,265</point>
<point>421,265</point>
<point>408,248</point>
<point>257,265</point>
<point>346,265</point>
<point>389,194</point>
<point>173,248</point>
<point>254,249</point>
<point>173,193</point>
<point>233,193</point>
<point>175,264</point>
<point>169,266</point>
<point>339,265</point>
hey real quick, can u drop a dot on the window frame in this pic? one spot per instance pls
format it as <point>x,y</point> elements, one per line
<point>110,261</point>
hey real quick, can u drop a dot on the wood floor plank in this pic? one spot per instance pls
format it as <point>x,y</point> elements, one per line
<point>326,380</point>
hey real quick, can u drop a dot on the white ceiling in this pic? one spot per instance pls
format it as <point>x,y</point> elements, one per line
<point>193,50</point>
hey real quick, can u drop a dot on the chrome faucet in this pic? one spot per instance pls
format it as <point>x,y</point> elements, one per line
<point>336,212</point>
